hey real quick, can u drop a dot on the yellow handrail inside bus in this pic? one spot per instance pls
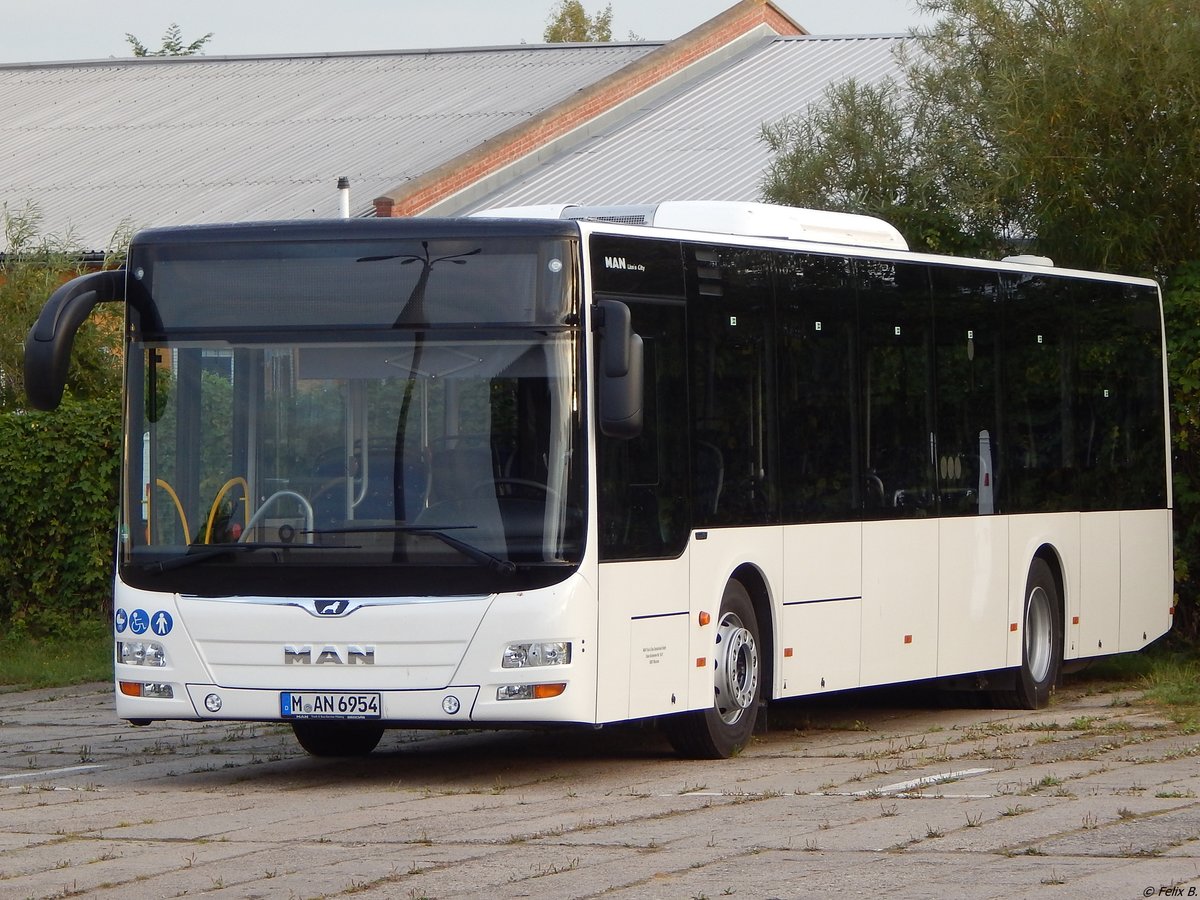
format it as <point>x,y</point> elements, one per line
<point>178,508</point>
<point>212,513</point>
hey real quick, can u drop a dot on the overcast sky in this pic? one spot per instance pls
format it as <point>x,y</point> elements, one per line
<point>44,30</point>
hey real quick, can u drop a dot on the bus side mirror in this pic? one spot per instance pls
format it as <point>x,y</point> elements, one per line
<point>48,345</point>
<point>621,383</point>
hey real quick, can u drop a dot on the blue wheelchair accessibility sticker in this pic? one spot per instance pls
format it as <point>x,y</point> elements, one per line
<point>139,621</point>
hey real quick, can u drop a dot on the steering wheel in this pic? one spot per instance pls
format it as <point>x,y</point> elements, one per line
<point>262,511</point>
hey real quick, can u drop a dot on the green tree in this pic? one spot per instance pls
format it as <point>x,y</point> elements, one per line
<point>172,44</point>
<point>862,150</point>
<point>58,471</point>
<point>570,23</point>
<point>1181,310</point>
<point>31,268</point>
<point>1072,124</point>
<point>1091,115</point>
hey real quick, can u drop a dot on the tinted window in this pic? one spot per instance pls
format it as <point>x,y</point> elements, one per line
<point>731,336</point>
<point>897,395</point>
<point>820,479</point>
<point>643,500</point>
<point>354,284</point>
<point>966,331</point>
<point>1119,423</point>
<point>1039,372</point>
<point>636,266</point>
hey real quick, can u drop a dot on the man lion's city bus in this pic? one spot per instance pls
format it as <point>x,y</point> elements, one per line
<point>565,465</point>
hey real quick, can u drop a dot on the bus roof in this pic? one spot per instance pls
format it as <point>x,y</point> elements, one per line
<point>732,222</point>
<point>764,220</point>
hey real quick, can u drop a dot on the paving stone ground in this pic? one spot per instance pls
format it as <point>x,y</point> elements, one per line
<point>872,794</point>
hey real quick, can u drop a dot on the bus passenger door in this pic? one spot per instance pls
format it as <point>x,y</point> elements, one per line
<point>900,531</point>
<point>973,632</point>
<point>643,532</point>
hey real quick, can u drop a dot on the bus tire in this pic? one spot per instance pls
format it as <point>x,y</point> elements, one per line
<point>1041,643</point>
<point>725,728</point>
<point>337,738</point>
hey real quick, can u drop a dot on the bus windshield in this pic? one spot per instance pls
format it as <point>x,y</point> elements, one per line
<point>401,447</point>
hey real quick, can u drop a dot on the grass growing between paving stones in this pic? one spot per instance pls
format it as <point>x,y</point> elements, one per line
<point>1168,676</point>
<point>29,662</point>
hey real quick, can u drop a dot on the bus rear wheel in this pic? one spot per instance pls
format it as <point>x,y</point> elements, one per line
<point>1042,642</point>
<point>725,728</point>
<point>338,738</point>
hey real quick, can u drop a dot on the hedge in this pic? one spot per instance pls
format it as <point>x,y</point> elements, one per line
<point>59,474</point>
<point>1181,307</point>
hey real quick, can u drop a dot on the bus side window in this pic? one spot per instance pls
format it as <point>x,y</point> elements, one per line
<point>897,390</point>
<point>642,492</point>
<point>818,412</point>
<point>1038,440</point>
<point>1119,422</point>
<point>966,328</point>
<point>731,343</point>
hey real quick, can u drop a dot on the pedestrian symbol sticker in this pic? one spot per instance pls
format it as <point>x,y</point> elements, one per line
<point>121,619</point>
<point>162,622</point>
<point>139,621</point>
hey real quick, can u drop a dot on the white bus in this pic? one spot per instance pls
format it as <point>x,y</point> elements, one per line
<point>562,465</point>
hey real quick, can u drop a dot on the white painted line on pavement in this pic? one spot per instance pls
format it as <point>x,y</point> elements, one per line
<point>41,772</point>
<point>918,783</point>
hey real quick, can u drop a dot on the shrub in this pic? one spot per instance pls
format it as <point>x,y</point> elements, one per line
<point>58,492</point>
<point>1181,305</point>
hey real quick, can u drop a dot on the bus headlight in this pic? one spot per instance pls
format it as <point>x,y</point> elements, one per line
<point>549,653</point>
<point>141,653</point>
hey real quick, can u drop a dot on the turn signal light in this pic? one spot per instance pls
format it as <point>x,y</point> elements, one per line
<point>530,691</point>
<point>155,690</point>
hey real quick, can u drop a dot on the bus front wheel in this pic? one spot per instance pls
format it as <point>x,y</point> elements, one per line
<point>725,728</point>
<point>337,738</point>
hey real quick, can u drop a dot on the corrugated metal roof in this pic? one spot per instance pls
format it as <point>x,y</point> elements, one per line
<point>209,139</point>
<point>702,142</point>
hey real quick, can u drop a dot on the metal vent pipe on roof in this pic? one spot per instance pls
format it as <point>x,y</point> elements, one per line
<point>344,196</point>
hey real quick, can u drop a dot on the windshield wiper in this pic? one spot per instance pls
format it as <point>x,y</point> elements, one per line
<point>198,553</point>
<point>473,553</point>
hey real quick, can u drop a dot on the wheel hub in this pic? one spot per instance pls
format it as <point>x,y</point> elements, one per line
<point>1039,632</point>
<point>737,669</point>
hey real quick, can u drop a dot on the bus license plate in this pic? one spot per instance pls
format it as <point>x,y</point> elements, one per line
<point>328,705</point>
